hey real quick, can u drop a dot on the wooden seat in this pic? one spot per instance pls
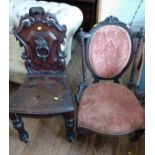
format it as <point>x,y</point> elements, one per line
<point>42,95</point>
<point>45,91</point>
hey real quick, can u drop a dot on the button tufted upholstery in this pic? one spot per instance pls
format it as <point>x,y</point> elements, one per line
<point>66,14</point>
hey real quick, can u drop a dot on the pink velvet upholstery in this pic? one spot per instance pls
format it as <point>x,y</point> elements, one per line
<point>109,51</point>
<point>111,109</point>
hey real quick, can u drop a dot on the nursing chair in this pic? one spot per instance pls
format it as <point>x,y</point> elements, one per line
<point>108,107</point>
<point>45,91</point>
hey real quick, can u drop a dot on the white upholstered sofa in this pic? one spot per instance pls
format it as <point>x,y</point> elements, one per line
<point>66,14</point>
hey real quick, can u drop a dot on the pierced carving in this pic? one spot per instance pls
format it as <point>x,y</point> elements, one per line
<point>42,37</point>
<point>42,49</point>
<point>61,57</point>
<point>27,21</point>
<point>24,55</point>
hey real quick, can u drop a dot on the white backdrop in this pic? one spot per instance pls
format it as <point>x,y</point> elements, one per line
<point>124,10</point>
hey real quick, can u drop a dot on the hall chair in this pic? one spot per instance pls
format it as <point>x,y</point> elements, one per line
<point>108,107</point>
<point>45,91</point>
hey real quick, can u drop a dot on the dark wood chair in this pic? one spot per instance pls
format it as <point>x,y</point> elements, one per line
<point>45,91</point>
<point>108,107</point>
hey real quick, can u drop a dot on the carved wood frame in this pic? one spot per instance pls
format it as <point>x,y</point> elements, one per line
<point>85,39</point>
<point>88,36</point>
<point>38,15</point>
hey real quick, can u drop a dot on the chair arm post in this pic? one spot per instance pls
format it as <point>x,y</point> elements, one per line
<point>139,47</point>
<point>84,83</point>
<point>80,91</point>
<point>138,53</point>
<point>84,66</point>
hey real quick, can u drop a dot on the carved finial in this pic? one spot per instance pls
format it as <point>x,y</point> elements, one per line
<point>111,19</point>
<point>36,10</point>
<point>81,33</point>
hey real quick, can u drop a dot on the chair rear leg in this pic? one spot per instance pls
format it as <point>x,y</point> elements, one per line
<point>69,123</point>
<point>80,132</point>
<point>136,135</point>
<point>19,126</point>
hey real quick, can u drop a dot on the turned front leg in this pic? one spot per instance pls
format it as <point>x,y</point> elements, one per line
<point>19,126</point>
<point>69,123</point>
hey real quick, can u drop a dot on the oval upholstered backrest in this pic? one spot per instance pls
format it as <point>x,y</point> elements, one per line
<point>109,50</point>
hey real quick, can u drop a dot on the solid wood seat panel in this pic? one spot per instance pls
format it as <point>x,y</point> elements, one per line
<point>42,95</point>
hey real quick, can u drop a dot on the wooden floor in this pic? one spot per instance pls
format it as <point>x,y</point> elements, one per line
<point>47,136</point>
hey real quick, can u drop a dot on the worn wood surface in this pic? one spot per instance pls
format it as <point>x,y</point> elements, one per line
<point>42,95</point>
<point>47,136</point>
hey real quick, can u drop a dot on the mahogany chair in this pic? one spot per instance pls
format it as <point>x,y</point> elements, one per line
<point>45,91</point>
<point>108,107</point>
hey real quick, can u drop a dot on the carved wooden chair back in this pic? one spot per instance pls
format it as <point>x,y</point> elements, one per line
<point>42,37</point>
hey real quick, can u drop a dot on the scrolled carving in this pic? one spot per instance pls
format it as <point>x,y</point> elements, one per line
<point>24,55</point>
<point>61,57</point>
<point>111,19</point>
<point>27,21</point>
<point>50,20</point>
<point>42,37</point>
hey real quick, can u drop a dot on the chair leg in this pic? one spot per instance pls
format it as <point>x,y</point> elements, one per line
<point>69,123</point>
<point>19,126</point>
<point>136,135</point>
<point>80,132</point>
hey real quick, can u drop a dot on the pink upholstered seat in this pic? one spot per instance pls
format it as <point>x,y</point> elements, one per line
<point>109,50</point>
<point>111,109</point>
